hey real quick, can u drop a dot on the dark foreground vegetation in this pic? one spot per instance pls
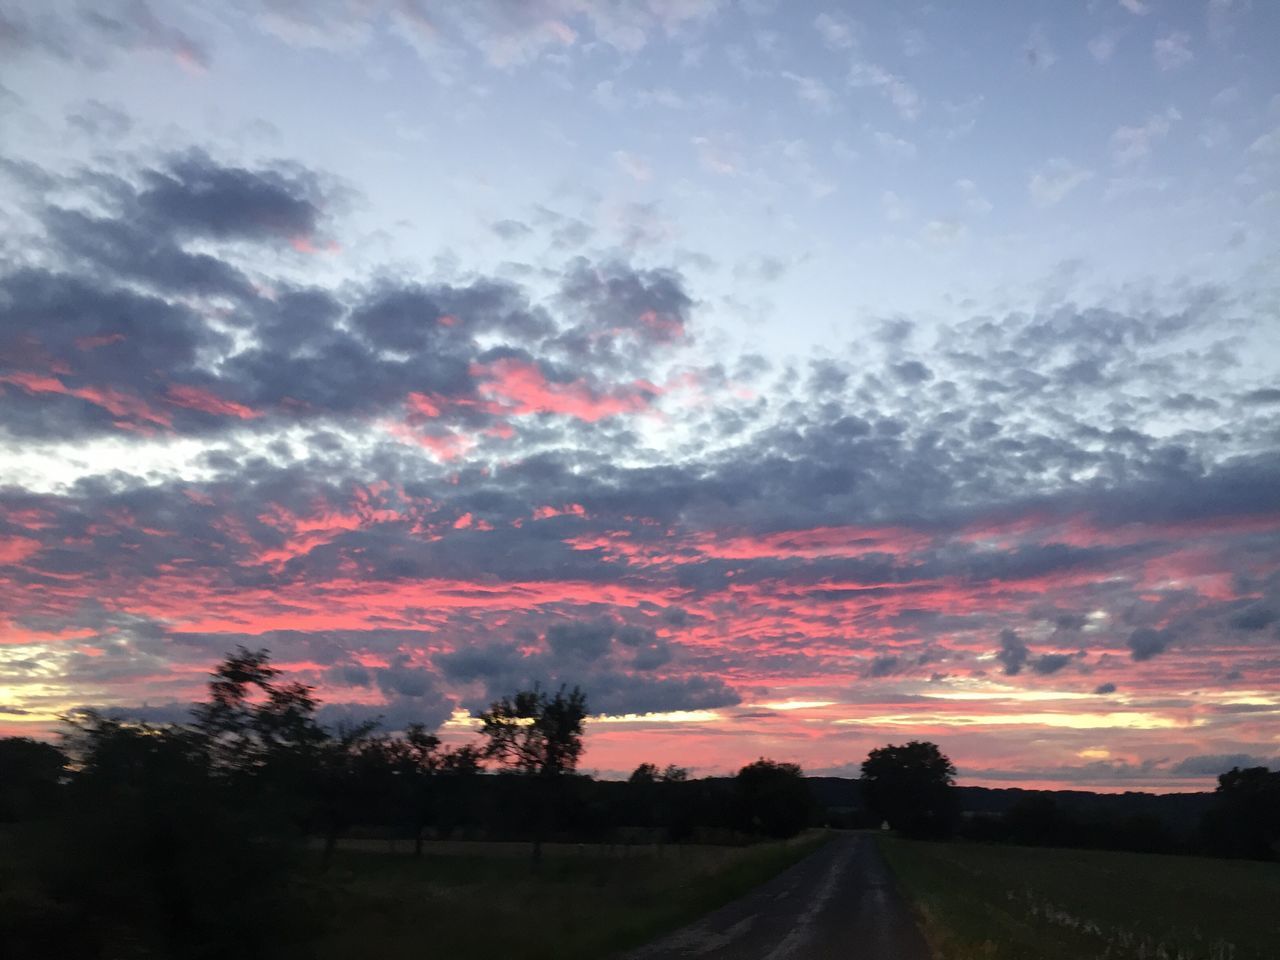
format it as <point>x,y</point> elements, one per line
<point>1002,902</point>
<point>1241,819</point>
<point>219,837</point>
<point>586,902</point>
<point>255,831</point>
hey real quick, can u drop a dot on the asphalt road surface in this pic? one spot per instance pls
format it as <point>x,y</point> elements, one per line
<point>838,902</point>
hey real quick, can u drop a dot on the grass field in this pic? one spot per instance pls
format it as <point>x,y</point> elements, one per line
<point>583,904</point>
<point>1022,903</point>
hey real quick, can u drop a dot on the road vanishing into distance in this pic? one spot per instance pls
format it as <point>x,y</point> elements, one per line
<point>839,902</point>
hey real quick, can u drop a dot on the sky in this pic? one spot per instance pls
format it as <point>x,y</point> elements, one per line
<point>795,378</point>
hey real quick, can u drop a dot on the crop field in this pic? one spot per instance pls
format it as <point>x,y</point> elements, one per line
<point>1000,902</point>
<point>583,903</point>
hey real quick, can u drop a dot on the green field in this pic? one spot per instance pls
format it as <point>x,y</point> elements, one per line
<point>1021,903</point>
<point>584,903</point>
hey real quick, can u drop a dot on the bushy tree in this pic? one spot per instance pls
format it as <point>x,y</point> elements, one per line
<point>31,775</point>
<point>645,773</point>
<point>774,798</point>
<point>1245,820</point>
<point>650,773</point>
<point>911,788</point>
<point>156,856</point>
<point>185,840</point>
<point>534,733</point>
<point>540,736</point>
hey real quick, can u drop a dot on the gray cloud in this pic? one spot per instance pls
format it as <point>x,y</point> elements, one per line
<point>1146,642</point>
<point>91,33</point>
<point>1013,653</point>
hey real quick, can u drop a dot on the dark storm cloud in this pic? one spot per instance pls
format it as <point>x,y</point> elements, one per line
<point>618,693</point>
<point>349,675</point>
<point>1262,396</point>
<point>1103,689</point>
<point>884,666</point>
<point>1210,765</point>
<point>1255,617</point>
<point>126,249</point>
<point>414,318</point>
<point>621,310</point>
<point>401,679</point>
<point>1050,663</point>
<point>1147,642</point>
<point>613,662</point>
<point>912,372</point>
<point>299,353</point>
<point>1013,653</point>
<point>195,196</point>
<point>430,709</point>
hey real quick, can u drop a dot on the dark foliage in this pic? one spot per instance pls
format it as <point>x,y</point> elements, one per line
<point>773,798</point>
<point>911,787</point>
<point>533,733</point>
<point>30,776</point>
<point>540,736</point>
<point>1245,820</point>
<point>1039,819</point>
<point>152,857</point>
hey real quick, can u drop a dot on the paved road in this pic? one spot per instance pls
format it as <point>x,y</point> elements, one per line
<point>839,902</point>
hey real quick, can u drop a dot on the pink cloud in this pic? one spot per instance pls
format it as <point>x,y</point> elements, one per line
<point>522,388</point>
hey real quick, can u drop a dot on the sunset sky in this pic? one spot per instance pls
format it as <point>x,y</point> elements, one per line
<point>796,378</point>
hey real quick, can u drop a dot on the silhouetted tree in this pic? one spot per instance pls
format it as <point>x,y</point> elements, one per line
<point>350,775</point>
<point>31,775</point>
<point>256,725</point>
<point>1245,821</point>
<point>645,773</point>
<point>653,799</point>
<point>263,738</point>
<point>649,773</point>
<point>539,736</point>
<point>910,787</point>
<point>774,798</point>
<point>455,786</point>
<point>536,734</point>
<point>424,784</point>
<point>160,859</point>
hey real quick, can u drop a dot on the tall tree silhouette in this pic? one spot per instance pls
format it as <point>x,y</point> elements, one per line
<point>911,788</point>
<point>539,736</point>
<point>774,797</point>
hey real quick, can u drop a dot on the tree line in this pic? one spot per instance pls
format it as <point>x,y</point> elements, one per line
<point>211,837</point>
<point>141,839</point>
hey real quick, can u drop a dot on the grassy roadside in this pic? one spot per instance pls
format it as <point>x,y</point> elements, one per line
<point>998,902</point>
<point>576,908</point>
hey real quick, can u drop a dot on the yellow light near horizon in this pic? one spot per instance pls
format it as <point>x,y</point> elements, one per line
<point>673,716</point>
<point>1028,696</point>
<point>1072,721</point>
<point>462,719</point>
<point>797,704</point>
